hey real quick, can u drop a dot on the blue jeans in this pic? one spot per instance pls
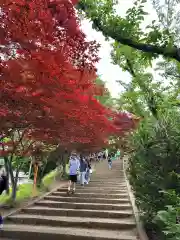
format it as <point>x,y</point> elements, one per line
<point>82,177</point>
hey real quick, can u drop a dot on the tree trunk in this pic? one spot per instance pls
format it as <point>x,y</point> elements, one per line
<point>11,172</point>
<point>41,172</point>
<point>36,168</point>
<point>14,190</point>
<point>30,169</point>
<point>14,185</point>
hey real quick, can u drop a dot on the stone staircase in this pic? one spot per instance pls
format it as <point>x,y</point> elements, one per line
<point>98,211</point>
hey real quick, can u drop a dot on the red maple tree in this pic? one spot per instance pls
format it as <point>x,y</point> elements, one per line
<point>48,78</point>
<point>46,66</point>
<point>45,57</point>
<point>125,122</point>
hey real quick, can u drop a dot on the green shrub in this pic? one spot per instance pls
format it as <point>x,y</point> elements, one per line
<point>168,222</point>
<point>154,166</point>
<point>24,192</point>
<point>50,178</point>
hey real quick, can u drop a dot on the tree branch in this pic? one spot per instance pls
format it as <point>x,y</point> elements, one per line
<point>112,31</point>
<point>151,100</point>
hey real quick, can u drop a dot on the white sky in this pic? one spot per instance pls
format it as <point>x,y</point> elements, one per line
<point>109,72</point>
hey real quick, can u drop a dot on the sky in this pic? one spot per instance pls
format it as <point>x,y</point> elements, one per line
<point>111,73</point>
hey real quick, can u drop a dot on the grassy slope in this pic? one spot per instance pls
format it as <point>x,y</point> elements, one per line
<point>25,191</point>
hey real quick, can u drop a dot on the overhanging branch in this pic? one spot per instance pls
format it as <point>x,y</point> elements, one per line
<point>113,32</point>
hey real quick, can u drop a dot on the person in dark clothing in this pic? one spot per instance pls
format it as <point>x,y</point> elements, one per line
<point>89,164</point>
<point>110,161</point>
<point>83,169</point>
<point>3,187</point>
<point>88,172</point>
<point>3,184</point>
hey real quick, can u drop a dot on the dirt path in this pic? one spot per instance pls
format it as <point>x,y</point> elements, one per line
<point>99,211</point>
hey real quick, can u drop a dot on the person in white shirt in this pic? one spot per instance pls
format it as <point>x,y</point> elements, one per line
<point>74,165</point>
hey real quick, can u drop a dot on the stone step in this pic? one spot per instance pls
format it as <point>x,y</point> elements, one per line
<point>93,206</point>
<point>94,186</point>
<point>95,189</point>
<point>109,176</point>
<point>91,184</point>
<point>105,170</point>
<point>113,174</point>
<point>106,173</point>
<point>86,200</point>
<point>91,187</point>
<point>104,185</point>
<point>24,232</point>
<point>117,182</point>
<point>82,222</point>
<point>50,211</point>
<point>116,173</point>
<point>94,195</point>
<point>100,180</point>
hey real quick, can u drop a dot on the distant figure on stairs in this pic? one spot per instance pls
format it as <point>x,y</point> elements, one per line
<point>74,165</point>
<point>88,172</point>
<point>83,169</point>
<point>118,154</point>
<point>106,153</point>
<point>110,161</point>
<point>104,156</point>
<point>100,156</point>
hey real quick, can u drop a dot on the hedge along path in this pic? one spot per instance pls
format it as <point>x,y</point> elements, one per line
<point>99,211</point>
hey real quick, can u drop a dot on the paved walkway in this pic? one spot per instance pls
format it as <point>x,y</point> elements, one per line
<point>99,211</point>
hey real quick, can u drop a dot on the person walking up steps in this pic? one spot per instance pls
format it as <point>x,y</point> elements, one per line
<point>74,165</point>
<point>83,169</point>
<point>99,156</point>
<point>118,154</point>
<point>88,172</point>
<point>110,162</point>
<point>106,153</point>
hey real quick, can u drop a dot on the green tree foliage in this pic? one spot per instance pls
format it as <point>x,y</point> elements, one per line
<point>158,39</point>
<point>167,219</point>
<point>154,166</point>
<point>105,98</point>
